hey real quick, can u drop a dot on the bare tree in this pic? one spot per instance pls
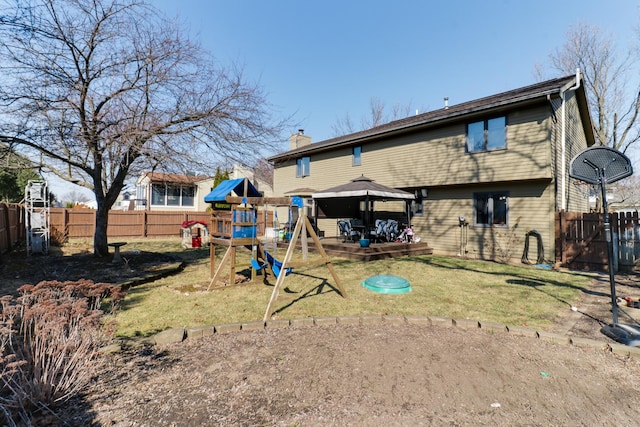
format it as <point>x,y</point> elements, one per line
<point>625,194</point>
<point>263,170</point>
<point>100,90</point>
<point>75,197</point>
<point>612,100</point>
<point>377,116</point>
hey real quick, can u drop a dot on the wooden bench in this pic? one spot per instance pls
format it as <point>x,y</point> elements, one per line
<point>116,250</point>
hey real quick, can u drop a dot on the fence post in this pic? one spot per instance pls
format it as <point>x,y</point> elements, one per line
<point>7,219</point>
<point>65,226</point>
<point>22,222</point>
<point>144,224</point>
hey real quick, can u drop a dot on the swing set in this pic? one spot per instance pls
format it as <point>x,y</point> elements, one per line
<point>244,233</point>
<point>270,260</point>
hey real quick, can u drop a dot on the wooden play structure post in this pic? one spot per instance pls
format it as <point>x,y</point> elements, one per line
<point>243,233</point>
<point>240,229</point>
<point>302,221</point>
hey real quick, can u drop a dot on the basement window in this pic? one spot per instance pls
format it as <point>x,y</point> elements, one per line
<point>491,209</point>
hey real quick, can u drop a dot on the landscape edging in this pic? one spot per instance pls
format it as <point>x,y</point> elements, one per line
<point>176,336</point>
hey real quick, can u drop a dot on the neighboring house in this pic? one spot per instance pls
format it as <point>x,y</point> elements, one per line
<point>243,172</point>
<point>500,162</point>
<point>166,191</point>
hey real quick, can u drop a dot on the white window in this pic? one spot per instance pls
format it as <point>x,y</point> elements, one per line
<point>487,135</point>
<point>417,205</point>
<point>303,166</point>
<point>491,209</point>
<point>356,156</point>
<point>172,195</point>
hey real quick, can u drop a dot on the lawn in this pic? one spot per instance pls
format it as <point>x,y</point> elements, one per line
<point>441,286</point>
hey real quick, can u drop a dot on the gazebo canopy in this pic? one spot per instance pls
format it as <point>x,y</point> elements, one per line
<point>363,187</point>
<point>344,200</point>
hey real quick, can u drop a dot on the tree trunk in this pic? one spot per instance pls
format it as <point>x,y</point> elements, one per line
<point>100,248</point>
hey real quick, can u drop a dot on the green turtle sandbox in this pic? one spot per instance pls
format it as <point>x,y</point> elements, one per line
<point>387,284</point>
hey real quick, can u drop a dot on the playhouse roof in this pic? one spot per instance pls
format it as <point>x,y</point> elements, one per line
<point>222,190</point>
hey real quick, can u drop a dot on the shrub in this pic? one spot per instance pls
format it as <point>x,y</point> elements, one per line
<point>503,243</point>
<point>49,341</point>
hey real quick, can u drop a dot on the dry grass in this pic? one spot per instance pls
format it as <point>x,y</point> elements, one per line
<point>49,341</point>
<point>441,286</point>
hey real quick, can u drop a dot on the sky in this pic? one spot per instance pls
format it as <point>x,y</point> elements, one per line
<point>319,61</point>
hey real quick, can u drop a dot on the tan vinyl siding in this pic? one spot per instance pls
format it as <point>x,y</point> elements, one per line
<point>576,141</point>
<point>528,210</point>
<point>577,198</point>
<point>434,157</point>
<point>437,156</point>
<point>326,170</point>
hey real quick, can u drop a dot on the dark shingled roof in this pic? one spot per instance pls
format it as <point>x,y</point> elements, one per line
<point>175,178</point>
<point>363,187</point>
<point>532,93</point>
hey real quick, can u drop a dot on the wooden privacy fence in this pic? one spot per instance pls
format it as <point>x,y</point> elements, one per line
<point>80,223</point>
<point>12,227</point>
<point>581,242</point>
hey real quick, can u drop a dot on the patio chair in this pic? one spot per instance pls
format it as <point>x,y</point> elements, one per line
<point>377,234</point>
<point>347,232</point>
<point>391,230</point>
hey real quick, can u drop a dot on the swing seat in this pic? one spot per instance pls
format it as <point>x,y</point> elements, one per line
<point>256,265</point>
<point>276,265</point>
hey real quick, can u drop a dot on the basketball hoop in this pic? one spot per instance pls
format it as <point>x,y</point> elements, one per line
<point>599,166</point>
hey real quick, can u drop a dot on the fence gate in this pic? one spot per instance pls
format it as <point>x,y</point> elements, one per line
<point>581,243</point>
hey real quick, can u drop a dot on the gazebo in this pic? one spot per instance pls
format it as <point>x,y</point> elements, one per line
<point>344,200</point>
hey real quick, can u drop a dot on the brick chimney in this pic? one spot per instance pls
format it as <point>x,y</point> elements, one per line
<point>298,140</point>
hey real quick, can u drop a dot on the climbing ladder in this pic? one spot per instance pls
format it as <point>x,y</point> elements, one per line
<point>37,217</point>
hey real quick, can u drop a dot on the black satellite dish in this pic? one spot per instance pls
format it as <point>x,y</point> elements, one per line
<point>603,165</point>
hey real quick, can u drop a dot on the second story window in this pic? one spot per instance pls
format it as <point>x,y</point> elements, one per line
<point>356,156</point>
<point>487,135</point>
<point>302,166</point>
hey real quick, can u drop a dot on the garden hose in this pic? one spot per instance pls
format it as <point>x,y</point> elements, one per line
<point>525,254</point>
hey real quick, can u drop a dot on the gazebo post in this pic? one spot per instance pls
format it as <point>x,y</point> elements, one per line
<point>315,215</point>
<point>366,215</point>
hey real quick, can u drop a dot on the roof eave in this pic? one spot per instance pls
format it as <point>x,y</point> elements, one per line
<point>438,121</point>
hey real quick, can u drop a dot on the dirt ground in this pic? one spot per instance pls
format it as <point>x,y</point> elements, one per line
<point>378,374</point>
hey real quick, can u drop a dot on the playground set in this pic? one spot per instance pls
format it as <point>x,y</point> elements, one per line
<point>244,233</point>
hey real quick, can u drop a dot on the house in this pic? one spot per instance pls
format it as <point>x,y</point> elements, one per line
<point>167,191</point>
<point>261,185</point>
<point>483,172</point>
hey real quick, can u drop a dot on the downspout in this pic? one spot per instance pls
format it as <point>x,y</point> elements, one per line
<point>563,203</point>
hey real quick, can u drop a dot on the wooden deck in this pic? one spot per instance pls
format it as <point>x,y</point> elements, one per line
<point>352,250</point>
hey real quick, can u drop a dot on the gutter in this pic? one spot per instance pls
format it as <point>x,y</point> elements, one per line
<point>563,142</point>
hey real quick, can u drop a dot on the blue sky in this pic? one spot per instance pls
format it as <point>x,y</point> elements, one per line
<point>320,60</point>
